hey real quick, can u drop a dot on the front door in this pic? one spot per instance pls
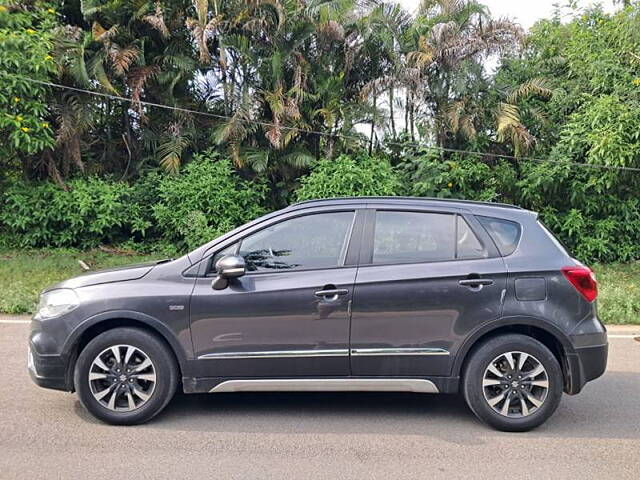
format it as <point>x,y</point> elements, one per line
<point>425,281</point>
<point>289,315</point>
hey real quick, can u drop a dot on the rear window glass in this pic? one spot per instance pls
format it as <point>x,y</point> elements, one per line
<point>411,237</point>
<point>505,233</point>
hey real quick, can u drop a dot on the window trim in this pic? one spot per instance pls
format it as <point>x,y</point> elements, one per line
<point>482,244</point>
<point>351,234</point>
<point>366,252</point>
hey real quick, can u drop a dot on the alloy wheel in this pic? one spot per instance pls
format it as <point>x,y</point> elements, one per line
<point>515,384</point>
<point>122,378</point>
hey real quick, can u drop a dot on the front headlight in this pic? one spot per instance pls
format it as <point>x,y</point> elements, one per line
<point>57,302</point>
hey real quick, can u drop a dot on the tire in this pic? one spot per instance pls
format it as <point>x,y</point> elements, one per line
<point>528,402</point>
<point>132,391</point>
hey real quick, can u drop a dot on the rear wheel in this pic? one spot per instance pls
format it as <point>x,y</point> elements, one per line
<point>125,376</point>
<point>513,382</point>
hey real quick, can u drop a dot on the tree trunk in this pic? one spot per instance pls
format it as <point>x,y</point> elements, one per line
<point>392,113</point>
<point>406,112</point>
<point>412,119</point>
<point>373,121</point>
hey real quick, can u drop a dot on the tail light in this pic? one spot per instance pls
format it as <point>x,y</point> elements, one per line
<point>584,281</point>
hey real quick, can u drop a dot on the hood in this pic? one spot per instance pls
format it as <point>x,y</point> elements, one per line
<point>120,274</point>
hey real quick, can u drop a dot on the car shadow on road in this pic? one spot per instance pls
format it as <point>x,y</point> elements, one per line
<point>607,408</point>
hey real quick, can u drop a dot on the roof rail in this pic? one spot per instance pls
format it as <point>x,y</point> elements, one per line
<point>430,199</point>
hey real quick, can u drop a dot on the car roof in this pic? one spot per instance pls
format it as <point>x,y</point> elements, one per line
<point>423,201</point>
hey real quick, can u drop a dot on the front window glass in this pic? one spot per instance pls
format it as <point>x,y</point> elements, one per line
<point>410,237</point>
<point>302,243</point>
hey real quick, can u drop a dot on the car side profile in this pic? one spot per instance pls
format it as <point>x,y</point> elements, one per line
<point>347,294</point>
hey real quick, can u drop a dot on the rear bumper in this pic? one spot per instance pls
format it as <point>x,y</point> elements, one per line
<point>586,364</point>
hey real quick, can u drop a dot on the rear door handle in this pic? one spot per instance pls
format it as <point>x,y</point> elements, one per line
<point>476,282</point>
<point>334,292</point>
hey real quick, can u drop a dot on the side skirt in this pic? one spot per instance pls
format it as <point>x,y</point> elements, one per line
<point>346,384</point>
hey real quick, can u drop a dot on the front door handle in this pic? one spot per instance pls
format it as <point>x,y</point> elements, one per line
<point>333,292</point>
<point>476,282</point>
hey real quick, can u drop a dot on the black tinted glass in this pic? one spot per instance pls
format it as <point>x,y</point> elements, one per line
<point>504,233</point>
<point>408,237</point>
<point>309,242</point>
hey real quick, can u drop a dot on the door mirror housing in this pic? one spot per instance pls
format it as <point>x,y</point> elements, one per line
<point>229,266</point>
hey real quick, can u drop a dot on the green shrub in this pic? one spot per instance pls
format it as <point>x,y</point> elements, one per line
<point>427,175</point>
<point>89,212</point>
<point>346,176</point>
<point>208,199</point>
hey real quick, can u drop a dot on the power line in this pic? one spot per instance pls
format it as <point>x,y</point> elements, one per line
<point>327,134</point>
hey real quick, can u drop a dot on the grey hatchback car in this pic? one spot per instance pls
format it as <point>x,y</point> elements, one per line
<point>348,294</point>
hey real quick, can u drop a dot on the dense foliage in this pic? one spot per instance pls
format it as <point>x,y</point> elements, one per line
<point>208,200</point>
<point>173,212</point>
<point>311,98</point>
<point>346,176</point>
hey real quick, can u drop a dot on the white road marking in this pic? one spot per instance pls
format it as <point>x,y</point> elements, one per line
<point>14,321</point>
<point>623,336</point>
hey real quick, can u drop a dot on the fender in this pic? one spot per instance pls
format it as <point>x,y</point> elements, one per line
<point>155,324</point>
<point>515,320</point>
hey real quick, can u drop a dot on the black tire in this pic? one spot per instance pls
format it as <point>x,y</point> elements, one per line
<point>474,373</point>
<point>164,366</point>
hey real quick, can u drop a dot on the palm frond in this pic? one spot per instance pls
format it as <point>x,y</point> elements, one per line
<point>511,128</point>
<point>298,158</point>
<point>277,7</point>
<point>171,149</point>
<point>156,21</point>
<point>255,158</point>
<point>122,57</point>
<point>535,86</point>
<point>202,10</point>
<point>137,79</point>
<point>100,34</point>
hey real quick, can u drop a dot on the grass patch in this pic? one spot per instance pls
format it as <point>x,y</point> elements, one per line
<point>23,275</point>
<point>619,293</point>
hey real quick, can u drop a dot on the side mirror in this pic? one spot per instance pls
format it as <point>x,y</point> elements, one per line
<point>229,266</point>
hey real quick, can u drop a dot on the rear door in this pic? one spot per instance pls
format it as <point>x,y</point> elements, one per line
<point>426,278</point>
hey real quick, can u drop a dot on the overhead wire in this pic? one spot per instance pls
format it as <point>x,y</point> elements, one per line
<point>321,133</point>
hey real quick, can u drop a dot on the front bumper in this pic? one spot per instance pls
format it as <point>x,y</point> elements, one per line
<point>47,371</point>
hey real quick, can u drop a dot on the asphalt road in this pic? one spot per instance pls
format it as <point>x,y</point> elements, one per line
<point>46,434</point>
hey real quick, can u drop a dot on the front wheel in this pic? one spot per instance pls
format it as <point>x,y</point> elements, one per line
<point>513,382</point>
<point>125,376</point>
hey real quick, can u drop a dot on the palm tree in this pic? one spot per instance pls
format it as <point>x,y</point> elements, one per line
<point>451,40</point>
<point>383,30</point>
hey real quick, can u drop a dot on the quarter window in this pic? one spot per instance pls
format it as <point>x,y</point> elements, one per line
<point>411,237</point>
<point>504,233</point>
<point>310,242</point>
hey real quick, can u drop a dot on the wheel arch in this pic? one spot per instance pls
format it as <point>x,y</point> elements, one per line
<point>549,335</point>
<point>101,323</point>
